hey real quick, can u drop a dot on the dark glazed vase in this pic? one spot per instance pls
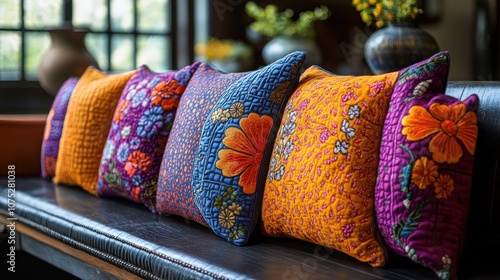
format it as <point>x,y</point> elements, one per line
<point>397,46</point>
<point>66,57</point>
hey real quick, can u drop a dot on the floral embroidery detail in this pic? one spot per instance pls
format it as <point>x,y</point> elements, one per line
<point>444,273</point>
<point>137,161</point>
<point>347,230</point>
<point>348,130</point>
<point>425,172</point>
<point>353,112</point>
<point>162,94</point>
<point>151,123</point>
<point>279,92</point>
<point>123,152</point>
<point>229,211</point>
<point>341,147</point>
<point>236,110</point>
<point>448,124</point>
<point>416,72</point>
<point>283,147</point>
<point>138,98</point>
<point>245,148</point>
<point>125,131</point>
<point>227,219</point>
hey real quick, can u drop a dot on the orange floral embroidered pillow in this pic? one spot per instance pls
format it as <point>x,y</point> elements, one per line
<point>86,127</point>
<point>323,171</point>
<point>425,178</point>
<point>324,163</point>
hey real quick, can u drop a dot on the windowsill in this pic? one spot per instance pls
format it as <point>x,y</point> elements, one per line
<point>24,98</point>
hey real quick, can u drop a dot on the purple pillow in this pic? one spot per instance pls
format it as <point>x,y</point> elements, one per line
<point>425,174</point>
<point>174,183</point>
<point>54,126</point>
<point>139,132</point>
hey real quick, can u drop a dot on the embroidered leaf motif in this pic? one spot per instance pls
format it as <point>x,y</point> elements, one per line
<point>418,71</point>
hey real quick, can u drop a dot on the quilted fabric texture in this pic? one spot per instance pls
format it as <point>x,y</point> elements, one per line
<point>139,132</point>
<point>321,180</point>
<point>425,176</point>
<point>174,183</point>
<point>86,127</point>
<point>235,145</point>
<point>53,128</point>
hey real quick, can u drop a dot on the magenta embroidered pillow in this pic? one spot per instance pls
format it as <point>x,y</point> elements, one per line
<point>174,183</point>
<point>425,175</point>
<point>139,132</point>
<point>54,126</point>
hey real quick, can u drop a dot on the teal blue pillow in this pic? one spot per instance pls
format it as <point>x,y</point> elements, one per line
<point>234,150</point>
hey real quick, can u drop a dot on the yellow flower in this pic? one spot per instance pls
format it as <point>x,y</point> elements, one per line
<point>425,172</point>
<point>381,12</point>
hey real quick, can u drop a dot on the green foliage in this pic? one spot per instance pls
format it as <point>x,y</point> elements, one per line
<point>271,22</point>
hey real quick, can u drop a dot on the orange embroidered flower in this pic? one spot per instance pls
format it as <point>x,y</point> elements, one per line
<point>120,111</point>
<point>443,187</point>
<point>245,148</point>
<point>448,123</point>
<point>161,94</point>
<point>425,172</point>
<point>137,160</point>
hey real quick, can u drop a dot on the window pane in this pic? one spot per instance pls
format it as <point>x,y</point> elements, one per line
<point>97,44</point>
<point>10,15</point>
<point>37,43</point>
<point>42,14</point>
<point>90,13</point>
<point>122,15</point>
<point>153,51</point>
<point>152,15</point>
<point>10,55</point>
<point>122,47</point>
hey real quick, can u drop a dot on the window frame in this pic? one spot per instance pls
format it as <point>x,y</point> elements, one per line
<point>27,96</point>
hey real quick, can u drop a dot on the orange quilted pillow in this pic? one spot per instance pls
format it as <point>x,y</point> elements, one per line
<point>86,127</point>
<point>324,163</point>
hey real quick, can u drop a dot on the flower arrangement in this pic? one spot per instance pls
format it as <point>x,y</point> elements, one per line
<point>382,12</point>
<point>270,22</point>
<point>223,49</point>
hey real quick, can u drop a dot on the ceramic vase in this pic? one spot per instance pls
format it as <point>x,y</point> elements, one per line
<point>66,57</point>
<point>397,46</point>
<point>281,46</point>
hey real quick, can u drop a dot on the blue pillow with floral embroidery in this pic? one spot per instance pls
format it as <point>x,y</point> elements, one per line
<point>235,146</point>
<point>139,132</point>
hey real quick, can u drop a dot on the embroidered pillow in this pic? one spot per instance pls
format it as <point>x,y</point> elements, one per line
<point>54,126</point>
<point>322,174</point>
<point>139,132</point>
<point>425,177</point>
<point>174,183</point>
<point>86,127</point>
<point>235,145</point>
